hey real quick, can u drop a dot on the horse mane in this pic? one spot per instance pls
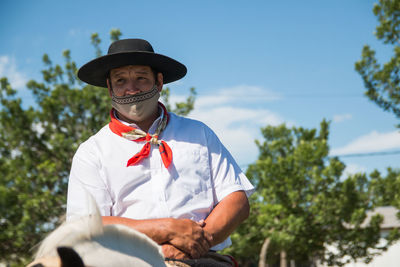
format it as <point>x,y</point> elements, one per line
<point>98,245</point>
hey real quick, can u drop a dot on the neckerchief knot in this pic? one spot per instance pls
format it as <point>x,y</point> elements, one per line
<point>138,135</point>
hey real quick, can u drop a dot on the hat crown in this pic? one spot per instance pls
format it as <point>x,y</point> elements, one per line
<point>130,45</point>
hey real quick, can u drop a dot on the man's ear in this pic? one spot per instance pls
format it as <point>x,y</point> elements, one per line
<point>109,87</point>
<point>160,81</point>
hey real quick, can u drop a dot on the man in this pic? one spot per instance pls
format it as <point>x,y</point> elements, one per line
<point>161,174</point>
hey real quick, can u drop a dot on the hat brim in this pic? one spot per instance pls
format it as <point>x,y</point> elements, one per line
<point>95,72</point>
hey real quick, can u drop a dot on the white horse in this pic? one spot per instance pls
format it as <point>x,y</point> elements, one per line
<point>86,242</point>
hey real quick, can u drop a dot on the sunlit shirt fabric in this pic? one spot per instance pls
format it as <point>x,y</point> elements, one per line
<point>202,173</point>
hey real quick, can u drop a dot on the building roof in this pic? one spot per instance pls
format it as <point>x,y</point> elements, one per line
<point>389,214</point>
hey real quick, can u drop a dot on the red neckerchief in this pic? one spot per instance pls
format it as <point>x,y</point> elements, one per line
<point>137,135</point>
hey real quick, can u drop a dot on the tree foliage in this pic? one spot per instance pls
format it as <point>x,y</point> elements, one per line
<point>37,145</point>
<point>303,203</point>
<point>385,190</point>
<point>382,81</point>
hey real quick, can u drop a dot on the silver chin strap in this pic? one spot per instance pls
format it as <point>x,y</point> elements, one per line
<point>129,99</point>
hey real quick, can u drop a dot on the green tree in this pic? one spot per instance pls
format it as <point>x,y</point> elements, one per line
<point>37,145</point>
<point>382,81</point>
<point>385,190</point>
<point>303,204</point>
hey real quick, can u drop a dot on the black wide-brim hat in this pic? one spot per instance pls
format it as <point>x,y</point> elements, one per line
<point>130,52</point>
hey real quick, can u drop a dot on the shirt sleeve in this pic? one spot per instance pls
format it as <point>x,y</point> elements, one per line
<point>85,178</point>
<point>226,174</point>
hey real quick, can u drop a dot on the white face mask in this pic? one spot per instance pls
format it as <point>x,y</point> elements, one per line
<point>138,107</point>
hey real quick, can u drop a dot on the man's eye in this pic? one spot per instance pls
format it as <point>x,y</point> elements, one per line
<point>120,80</point>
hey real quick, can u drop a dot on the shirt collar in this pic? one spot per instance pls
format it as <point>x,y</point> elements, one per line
<point>153,127</point>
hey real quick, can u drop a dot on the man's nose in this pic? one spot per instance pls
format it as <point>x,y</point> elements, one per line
<point>131,88</point>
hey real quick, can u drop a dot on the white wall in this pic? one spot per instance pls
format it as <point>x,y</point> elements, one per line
<point>389,258</point>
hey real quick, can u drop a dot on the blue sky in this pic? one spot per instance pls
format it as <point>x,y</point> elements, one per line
<point>253,63</point>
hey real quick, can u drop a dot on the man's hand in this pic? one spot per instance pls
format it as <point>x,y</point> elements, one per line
<point>190,237</point>
<point>184,234</point>
<point>172,252</point>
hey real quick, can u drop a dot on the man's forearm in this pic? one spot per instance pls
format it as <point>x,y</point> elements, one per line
<point>189,236</point>
<point>156,229</point>
<point>227,216</point>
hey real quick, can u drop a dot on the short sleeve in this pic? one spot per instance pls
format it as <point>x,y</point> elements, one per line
<point>85,178</point>
<point>226,174</point>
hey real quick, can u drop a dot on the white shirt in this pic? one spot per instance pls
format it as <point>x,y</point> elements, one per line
<point>202,173</point>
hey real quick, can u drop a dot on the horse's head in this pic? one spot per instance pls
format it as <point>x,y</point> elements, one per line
<point>86,242</point>
<point>67,257</point>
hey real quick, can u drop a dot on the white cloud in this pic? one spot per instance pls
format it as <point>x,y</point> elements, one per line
<point>237,94</point>
<point>8,68</point>
<point>342,117</point>
<point>352,168</point>
<point>236,126</point>
<point>372,142</point>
